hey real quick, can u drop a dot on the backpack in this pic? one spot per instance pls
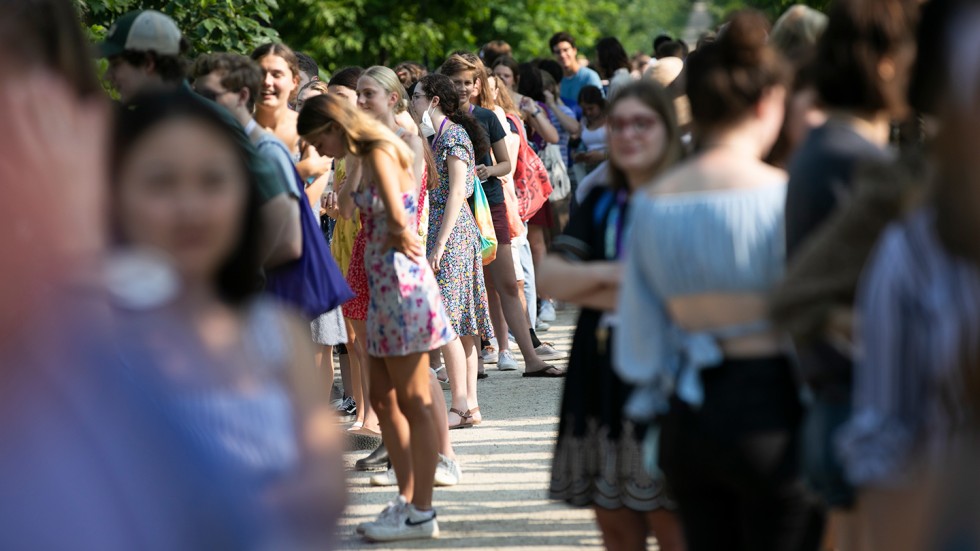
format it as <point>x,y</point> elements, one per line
<point>531,183</point>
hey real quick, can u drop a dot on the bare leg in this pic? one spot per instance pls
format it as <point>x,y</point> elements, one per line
<point>394,426</point>
<point>470,345</point>
<point>410,375</point>
<point>496,312</point>
<point>505,281</point>
<point>535,237</point>
<point>454,355</point>
<point>666,527</point>
<point>324,359</point>
<point>441,416</point>
<point>369,418</point>
<point>622,529</point>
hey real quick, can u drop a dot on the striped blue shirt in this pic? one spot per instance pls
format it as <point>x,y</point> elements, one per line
<point>918,326</point>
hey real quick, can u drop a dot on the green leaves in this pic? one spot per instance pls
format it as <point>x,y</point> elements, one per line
<point>209,25</point>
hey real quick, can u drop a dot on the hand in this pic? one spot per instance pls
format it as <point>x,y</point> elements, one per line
<point>528,105</point>
<point>482,172</point>
<point>435,259</point>
<point>406,242</point>
<point>549,98</point>
<point>592,157</point>
<point>331,204</point>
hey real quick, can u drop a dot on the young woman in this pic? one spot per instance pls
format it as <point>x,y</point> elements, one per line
<point>380,94</point>
<point>453,245</point>
<point>706,248</point>
<point>861,88</point>
<point>272,110</point>
<point>598,461</point>
<point>613,64</point>
<point>180,188</point>
<point>406,318</point>
<point>312,88</point>
<point>593,133</point>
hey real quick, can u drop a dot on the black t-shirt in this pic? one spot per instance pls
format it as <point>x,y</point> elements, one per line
<point>821,172</point>
<point>488,120</point>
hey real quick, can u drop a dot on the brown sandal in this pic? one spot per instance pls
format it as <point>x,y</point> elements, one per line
<point>469,415</point>
<point>463,423</point>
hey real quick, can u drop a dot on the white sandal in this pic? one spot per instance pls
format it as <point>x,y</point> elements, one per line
<point>443,383</point>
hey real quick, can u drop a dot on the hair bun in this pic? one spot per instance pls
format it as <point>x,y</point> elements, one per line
<point>743,40</point>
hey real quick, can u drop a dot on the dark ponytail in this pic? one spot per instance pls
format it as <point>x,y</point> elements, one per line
<point>726,78</point>
<point>439,86</point>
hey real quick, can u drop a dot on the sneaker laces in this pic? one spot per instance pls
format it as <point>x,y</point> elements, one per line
<point>391,513</point>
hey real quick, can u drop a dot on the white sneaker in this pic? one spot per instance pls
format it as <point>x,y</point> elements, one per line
<point>489,355</point>
<point>546,351</point>
<point>547,311</point>
<point>507,361</point>
<point>411,524</point>
<point>386,478</point>
<point>541,326</point>
<point>448,472</point>
<point>394,509</point>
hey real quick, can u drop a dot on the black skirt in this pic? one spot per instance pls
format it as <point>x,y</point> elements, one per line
<point>599,456</point>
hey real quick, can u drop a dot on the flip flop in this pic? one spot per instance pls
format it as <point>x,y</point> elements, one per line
<point>463,424</point>
<point>550,372</point>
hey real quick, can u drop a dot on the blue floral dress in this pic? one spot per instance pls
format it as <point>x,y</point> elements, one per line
<point>460,275</point>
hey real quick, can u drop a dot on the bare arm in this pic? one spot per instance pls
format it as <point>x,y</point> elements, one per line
<point>567,122</point>
<point>314,192</point>
<point>454,203</point>
<point>571,281</point>
<point>282,235</point>
<point>392,180</point>
<point>312,165</point>
<point>538,119</point>
<point>352,182</point>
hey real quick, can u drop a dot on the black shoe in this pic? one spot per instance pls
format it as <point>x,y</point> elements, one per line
<point>378,460</point>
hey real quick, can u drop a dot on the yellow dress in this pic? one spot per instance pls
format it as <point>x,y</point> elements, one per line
<point>344,231</point>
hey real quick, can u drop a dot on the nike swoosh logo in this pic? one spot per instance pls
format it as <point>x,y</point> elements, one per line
<point>408,521</point>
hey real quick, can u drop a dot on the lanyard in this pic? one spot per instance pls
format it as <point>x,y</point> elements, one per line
<point>439,133</point>
<point>615,225</point>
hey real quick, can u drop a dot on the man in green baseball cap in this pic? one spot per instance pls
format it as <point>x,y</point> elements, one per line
<point>144,49</point>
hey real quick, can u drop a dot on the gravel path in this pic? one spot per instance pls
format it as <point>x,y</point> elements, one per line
<point>502,501</point>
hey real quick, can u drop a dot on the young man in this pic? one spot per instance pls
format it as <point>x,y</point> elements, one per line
<point>309,71</point>
<point>233,81</point>
<point>576,76</point>
<point>144,50</point>
<point>467,73</point>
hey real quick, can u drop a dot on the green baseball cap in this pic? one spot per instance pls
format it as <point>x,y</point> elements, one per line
<point>142,31</point>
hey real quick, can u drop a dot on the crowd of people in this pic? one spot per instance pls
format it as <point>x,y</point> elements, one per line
<point>769,237</point>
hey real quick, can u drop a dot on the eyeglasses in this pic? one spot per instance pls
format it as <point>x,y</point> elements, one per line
<point>639,124</point>
<point>418,95</point>
<point>210,94</point>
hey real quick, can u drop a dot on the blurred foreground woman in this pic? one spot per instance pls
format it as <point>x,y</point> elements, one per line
<point>246,386</point>
<point>92,456</point>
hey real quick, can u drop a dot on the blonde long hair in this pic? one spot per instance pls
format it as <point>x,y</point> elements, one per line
<point>388,80</point>
<point>362,133</point>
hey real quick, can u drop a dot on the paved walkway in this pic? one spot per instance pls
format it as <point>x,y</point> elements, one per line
<point>502,501</point>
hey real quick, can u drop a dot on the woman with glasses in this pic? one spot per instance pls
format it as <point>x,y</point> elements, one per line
<point>598,460</point>
<point>453,243</point>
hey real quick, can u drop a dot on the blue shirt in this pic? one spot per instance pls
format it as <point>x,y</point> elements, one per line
<point>917,318</point>
<point>726,241</point>
<point>571,86</point>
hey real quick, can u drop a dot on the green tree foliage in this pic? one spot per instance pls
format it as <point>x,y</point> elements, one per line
<point>338,33</point>
<point>209,25</point>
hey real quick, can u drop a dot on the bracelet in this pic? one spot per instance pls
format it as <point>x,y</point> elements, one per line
<point>536,113</point>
